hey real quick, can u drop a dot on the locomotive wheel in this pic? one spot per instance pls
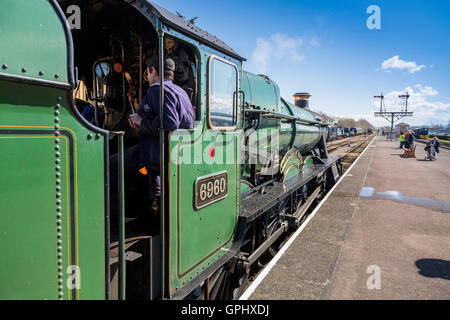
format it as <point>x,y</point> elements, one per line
<point>273,249</point>
<point>272,228</point>
<point>221,286</point>
<point>241,280</point>
<point>229,284</point>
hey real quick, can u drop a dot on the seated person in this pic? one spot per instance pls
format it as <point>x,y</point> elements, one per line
<point>432,146</point>
<point>178,113</point>
<point>436,144</point>
<point>409,139</point>
<point>409,146</point>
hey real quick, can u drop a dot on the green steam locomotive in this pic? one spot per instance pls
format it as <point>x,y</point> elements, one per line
<point>233,186</point>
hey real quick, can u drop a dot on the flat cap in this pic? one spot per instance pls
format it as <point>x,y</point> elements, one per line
<point>169,64</point>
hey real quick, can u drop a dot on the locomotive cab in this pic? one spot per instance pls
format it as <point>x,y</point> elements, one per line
<point>110,49</point>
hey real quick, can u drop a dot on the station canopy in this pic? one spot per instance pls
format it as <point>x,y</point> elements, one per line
<point>402,125</point>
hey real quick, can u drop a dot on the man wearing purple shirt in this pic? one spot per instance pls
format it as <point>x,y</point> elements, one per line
<point>178,114</point>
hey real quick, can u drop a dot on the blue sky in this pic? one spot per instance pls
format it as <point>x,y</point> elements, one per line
<point>325,48</point>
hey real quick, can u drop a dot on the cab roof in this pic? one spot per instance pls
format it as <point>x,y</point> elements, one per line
<point>192,30</point>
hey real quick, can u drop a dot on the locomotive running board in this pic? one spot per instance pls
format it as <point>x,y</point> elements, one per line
<point>256,204</point>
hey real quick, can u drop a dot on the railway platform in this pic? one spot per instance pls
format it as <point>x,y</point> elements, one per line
<point>383,232</point>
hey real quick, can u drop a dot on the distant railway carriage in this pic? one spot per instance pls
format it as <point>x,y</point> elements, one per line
<point>231,187</point>
<point>335,133</point>
<point>420,133</point>
<point>332,133</point>
<point>355,131</point>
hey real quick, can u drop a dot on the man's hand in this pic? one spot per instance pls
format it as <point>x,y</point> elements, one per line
<point>135,122</point>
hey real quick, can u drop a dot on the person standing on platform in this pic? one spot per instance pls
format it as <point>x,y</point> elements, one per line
<point>402,140</point>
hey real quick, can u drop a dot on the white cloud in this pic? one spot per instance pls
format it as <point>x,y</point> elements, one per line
<point>277,46</point>
<point>262,54</point>
<point>396,63</point>
<point>427,91</point>
<point>314,42</point>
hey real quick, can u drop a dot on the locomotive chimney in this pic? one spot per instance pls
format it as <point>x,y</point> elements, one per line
<point>302,99</point>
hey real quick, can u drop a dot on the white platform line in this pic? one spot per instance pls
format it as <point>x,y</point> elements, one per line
<point>247,293</point>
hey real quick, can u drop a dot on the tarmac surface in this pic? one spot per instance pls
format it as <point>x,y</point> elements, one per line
<point>383,233</point>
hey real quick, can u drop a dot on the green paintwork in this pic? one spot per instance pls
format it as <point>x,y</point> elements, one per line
<point>291,161</point>
<point>28,181</point>
<point>308,162</point>
<point>245,186</point>
<point>291,171</point>
<point>261,91</point>
<point>306,136</point>
<point>28,232</point>
<point>291,164</point>
<point>28,238</point>
<point>32,37</point>
<point>198,237</point>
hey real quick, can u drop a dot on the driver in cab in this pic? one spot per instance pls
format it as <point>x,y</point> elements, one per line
<point>177,114</point>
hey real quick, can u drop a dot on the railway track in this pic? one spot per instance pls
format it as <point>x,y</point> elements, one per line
<point>350,141</point>
<point>357,146</point>
<point>351,154</point>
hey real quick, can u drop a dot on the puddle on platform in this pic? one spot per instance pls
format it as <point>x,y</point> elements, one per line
<point>438,205</point>
<point>367,192</point>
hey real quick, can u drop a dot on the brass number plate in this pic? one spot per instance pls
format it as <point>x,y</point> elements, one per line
<point>210,189</point>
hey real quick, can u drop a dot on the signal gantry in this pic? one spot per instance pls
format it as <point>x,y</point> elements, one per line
<point>391,115</point>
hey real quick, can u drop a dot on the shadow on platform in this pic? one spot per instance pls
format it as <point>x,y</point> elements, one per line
<point>434,268</point>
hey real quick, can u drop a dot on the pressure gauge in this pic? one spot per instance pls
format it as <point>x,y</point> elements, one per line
<point>102,69</point>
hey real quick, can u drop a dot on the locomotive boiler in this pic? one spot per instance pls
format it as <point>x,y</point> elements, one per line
<point>277,133</point>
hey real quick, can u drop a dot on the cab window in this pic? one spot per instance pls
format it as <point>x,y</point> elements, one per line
<point>223,86</point>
